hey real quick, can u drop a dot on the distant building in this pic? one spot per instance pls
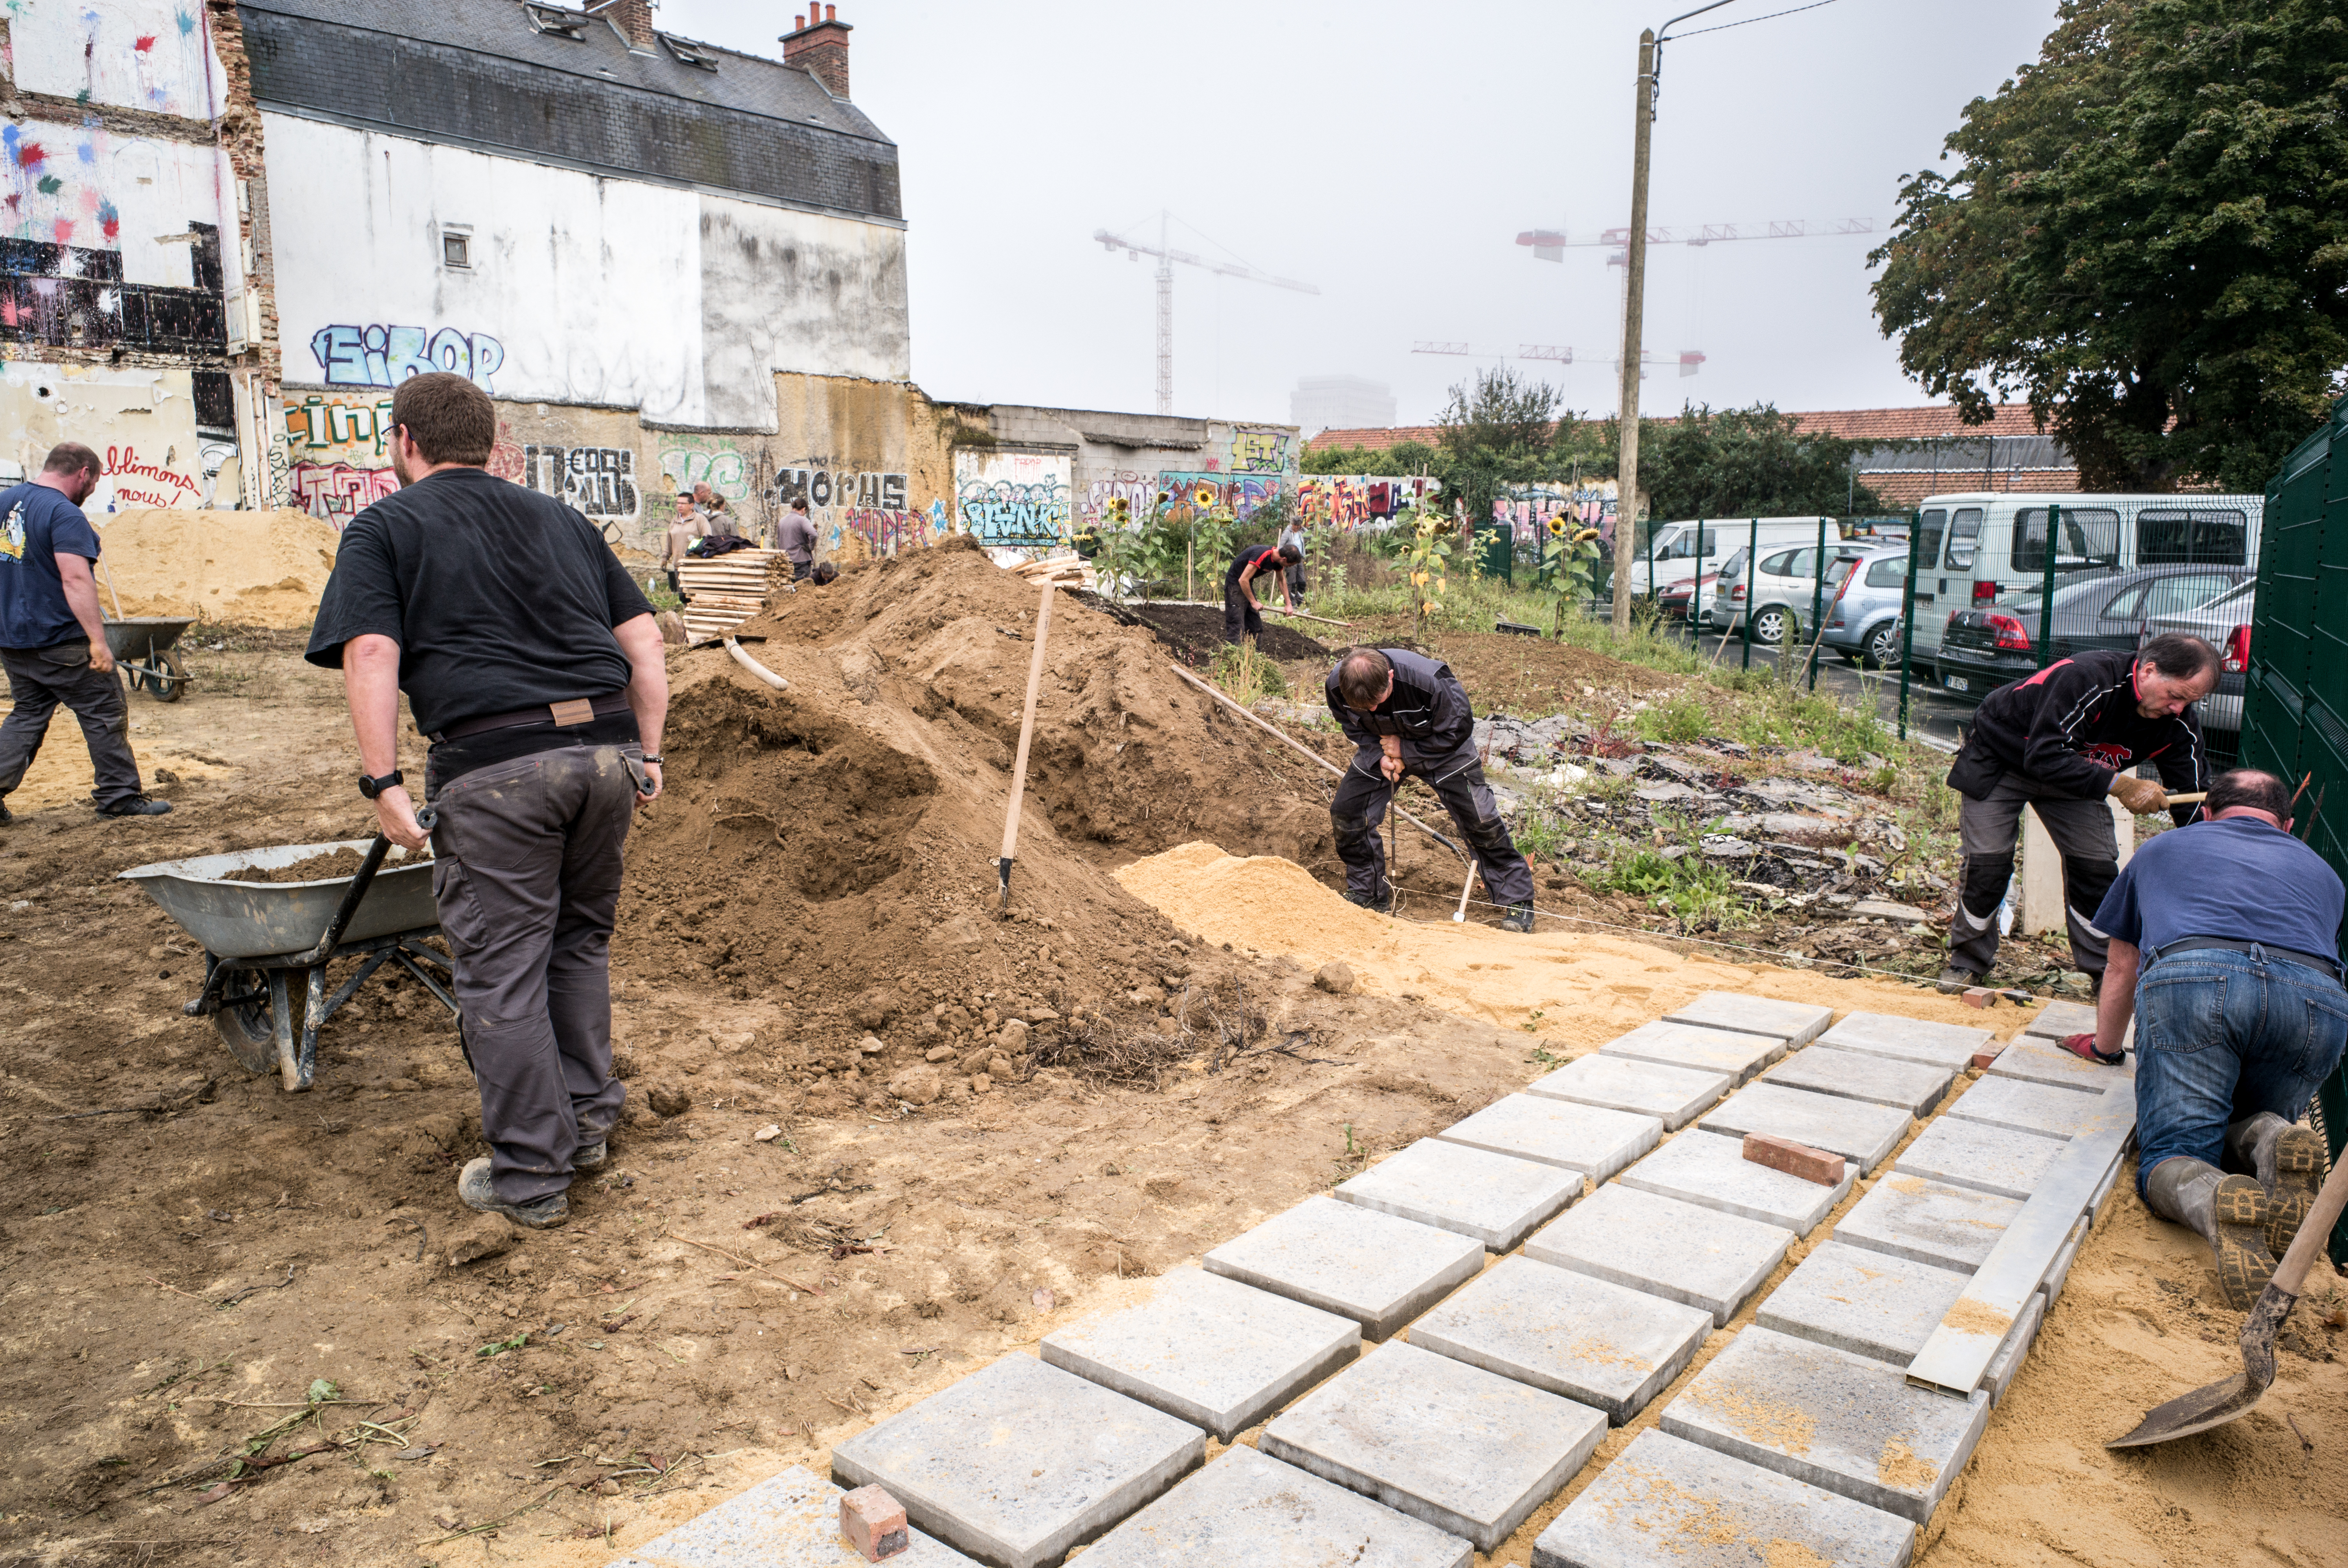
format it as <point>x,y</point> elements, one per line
<point>1321,402</point>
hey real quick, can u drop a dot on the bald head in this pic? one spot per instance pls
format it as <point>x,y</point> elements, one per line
<point>2247,792</point>
<point>1364,677</point>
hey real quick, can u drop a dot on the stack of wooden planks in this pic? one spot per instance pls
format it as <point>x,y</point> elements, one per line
<point>724,592</point>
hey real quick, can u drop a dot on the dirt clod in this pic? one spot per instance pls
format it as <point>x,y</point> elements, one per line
<point>1337,978</point>
<point>478,1237</point>
<point>668,1099</point>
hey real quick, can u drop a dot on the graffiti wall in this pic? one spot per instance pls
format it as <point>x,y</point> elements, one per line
<point>1357,500</point>
<point>1013,500</point>
<point>140,422</point>
<point>152,55</point>
<point>1525,509</point>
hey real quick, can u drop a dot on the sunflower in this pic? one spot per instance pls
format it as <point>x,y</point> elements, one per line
<point>1585,535</point>
<point>1556,527</point>
<point>1206,496</point>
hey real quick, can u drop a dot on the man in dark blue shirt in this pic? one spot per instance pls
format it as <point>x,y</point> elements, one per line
<point>2225,949</point>
<point>52,637</point>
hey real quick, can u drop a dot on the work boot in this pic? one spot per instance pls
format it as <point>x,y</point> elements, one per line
<point>1520,917</point>
<point>2288,1162</point>
<point>590,1156</point>
<point>540,1213</point>
<point>136,806</point>
<point>7,816</point>
<point>1954,980</point>
<point>2230,1212</point>
<point>1376,903</point>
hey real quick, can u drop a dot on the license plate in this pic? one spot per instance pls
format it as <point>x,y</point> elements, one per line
<point>1956,683</point>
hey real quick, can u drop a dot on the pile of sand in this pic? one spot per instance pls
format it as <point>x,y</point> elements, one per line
<point>246,569</point>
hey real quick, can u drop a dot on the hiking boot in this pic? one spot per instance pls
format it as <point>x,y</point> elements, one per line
<point>1954,980</point>
<point>136,806</point>
<point>590,1156</point>
<point>7,816</point>
<point>2230,1212</point>
<point>474,1191</point>
<point>2290,1185</point>
<point>1519,919</point>
<point>1376,903</point>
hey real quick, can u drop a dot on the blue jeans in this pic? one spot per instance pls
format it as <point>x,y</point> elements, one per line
<point>2222,1036</point>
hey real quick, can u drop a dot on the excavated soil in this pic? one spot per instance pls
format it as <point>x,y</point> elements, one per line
<point>313,868</point>
<point>1195,631</point>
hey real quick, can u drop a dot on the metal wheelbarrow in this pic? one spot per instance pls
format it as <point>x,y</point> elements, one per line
<point>141,645</point>
<point>267,943</point>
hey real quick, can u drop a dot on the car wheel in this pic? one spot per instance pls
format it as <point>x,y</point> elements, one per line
<point>1883,646</point>
<point>1770,626</point>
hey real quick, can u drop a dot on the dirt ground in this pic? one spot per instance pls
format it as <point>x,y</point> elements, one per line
<point>1099,1089</point>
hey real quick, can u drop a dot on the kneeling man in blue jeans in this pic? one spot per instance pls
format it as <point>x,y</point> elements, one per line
<point>2225,948</point>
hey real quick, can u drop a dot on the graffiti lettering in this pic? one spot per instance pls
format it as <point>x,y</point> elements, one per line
<point>315,424</point>
<point>725,472</point>
<point>820,487</point>
<point>162,487</point>
<point>1255,451</point>
<point>338,492</point>
<point>1191,493</point>
<point>1139,491</point>
<point>600,481</point>
<point>1352,500</point>
<point>885,532</point>
<point>382,355</point>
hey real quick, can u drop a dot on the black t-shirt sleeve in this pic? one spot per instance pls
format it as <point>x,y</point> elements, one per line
<point>362,595</point>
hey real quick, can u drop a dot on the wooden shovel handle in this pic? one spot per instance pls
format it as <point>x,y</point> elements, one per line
<point>2189,799</point>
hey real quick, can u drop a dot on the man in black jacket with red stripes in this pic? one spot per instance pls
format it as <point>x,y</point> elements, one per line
<point>2059,743</point>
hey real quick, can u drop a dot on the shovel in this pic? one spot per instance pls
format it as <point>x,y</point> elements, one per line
<point>2220,1402</point>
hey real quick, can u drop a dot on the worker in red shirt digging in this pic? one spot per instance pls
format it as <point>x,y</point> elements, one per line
<point>1242,616</point>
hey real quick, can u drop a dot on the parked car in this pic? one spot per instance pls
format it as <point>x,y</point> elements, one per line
<point>1684,549</point>
<point>1676,597</point>
<point>1863,623</point>
<point>1982,649</point>
<point>2225,621</point>
<point>1788,583</point>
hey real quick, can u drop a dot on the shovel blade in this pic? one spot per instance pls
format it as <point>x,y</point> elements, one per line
<point>2217,1403</point>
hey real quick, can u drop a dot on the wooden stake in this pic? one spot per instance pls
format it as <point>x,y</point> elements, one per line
<point>1026,731</point>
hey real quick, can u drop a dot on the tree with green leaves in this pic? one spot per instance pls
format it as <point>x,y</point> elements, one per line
<point>1744,463</point>
<point>2146,234</point>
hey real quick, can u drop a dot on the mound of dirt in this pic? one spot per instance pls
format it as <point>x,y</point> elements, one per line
<point>253,569</point>
<point>835,842</point>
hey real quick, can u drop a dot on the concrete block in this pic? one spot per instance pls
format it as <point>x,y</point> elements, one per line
<point>1984,1060</point>
<point>1796,1023</point>
<point>2059,1270</point>
<point>1584,1138</point>
<point>874,1523</point>
<point>1979,997</point>
<point>1341,1257</point>
<point>1813,1165</point>
<point>2039,1061</point>
<point>1678,1251</point>
<point>1706,1169</point>
<point>790,1520</point>
<point>1675,1095</point>
<point>1945,1045</point>
<point>1666,1502</point>
<point>2026,1107</point>
<point>1218,1354</point>
<point>2009,1355</point>
<point>1868,1303</point>
<point>1852,1128</point>
<point>2103,1193</point>
<point>1601,1345</point>
<point>1914,1087</point>
<point>2056,1019</point>
<point>1928,1222</point>
<point>1840,1421</point>
<point>1977,1155</point>
<point>1496,1199</point>
<point>1463,1450</point>
<point>1245,1510</point>
<point>1019,1461</point>
<point>1734,1056</point>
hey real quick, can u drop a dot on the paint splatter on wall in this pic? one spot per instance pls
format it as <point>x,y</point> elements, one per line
<point>152,55</point>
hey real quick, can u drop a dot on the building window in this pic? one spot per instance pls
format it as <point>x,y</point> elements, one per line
<point>457,251</point>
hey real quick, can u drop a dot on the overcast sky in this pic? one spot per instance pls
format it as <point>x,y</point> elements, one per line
<point>1390,153</point>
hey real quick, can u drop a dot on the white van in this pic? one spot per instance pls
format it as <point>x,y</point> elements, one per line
<point>1681,549</point>
<point>1987,546</point>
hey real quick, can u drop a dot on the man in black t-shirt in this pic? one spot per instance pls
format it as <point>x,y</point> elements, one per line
<point>1242,616</point>
<point>532,661</point>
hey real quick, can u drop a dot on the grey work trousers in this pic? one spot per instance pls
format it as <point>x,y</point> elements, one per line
<point>1986,832</point>
<point>527,880</point>
<point>41,678</point>
<point>1361,802</point>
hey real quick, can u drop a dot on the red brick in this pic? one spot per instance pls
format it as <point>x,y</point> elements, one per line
<point>1981,996</point>
<point>1794,1159</point>
<point>874,1522</point>
<point>1981,1059</point>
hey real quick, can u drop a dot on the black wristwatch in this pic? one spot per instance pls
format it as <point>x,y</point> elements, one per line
<point>376,786</point>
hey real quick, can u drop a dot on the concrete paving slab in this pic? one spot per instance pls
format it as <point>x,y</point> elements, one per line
<point>1796,1023</point>
<point>1492,1197</point>
<point>1735,1056</point>
<point>1245,1510</point>
<point>1914,1087</point>
<point>1218,1354</point>
<point>2056,1019</point>
<point>1678,1251</point>
<point>2026,1107</point>
<point>1675,1095</point>
<point>1840,1421</point>
<point>1945,1045</point>
<point>1868,1303</point>
<point>1597,1142</point>
<point>1977,1155</point>
<point>790,1520</point>
<point>1601,1345</point>
<point>2051,1287</point>
<point>1341,1257</point>
<point>1850,1128</point>
<point>2010,1355</point>
<point>2034,1059</point>
<point>1019,1461</point>
<point>1928,1222</point>
<point>1466,1450</point>
<point>1711,1172</point>
<point>1666,1502</point>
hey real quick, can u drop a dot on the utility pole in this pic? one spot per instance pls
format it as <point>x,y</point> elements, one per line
<point>1634,299</point>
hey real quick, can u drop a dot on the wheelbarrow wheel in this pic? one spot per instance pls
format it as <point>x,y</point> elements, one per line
<point>245,1027</point>
<point>165,676</point>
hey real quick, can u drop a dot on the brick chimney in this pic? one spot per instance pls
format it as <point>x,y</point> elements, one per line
<point>820,44</point>
<point>634,20</point>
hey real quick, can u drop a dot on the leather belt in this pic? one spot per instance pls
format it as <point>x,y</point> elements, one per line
<point>2292,955</point>
<point>577,711</point>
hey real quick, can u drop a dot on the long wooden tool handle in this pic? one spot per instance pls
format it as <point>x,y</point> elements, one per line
<point>1301,615</point>
<point>2189,799</point>
<point>1027,727</point>
<point>2314,1231</point>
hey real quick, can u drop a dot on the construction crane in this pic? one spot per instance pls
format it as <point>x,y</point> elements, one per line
<point>1551,244</point>
<point>1688,360</point>
<point>1166,259</point>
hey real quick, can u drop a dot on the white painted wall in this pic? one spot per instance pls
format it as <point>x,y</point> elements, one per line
<point>153,54</point>
<point>584,289</point>
<point>120,193</point>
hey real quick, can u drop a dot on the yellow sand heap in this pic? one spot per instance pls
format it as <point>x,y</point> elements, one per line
<point>247,568</point>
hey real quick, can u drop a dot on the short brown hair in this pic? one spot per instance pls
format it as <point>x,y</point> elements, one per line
<point>449,419</point>
<point>1362,677</point>
<point>72,458</point>
<point>2179,655</point>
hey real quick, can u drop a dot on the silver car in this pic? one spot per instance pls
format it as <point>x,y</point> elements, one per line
<point>2225,622</point>
<point>1789,583</point>
<point>1863,622</point>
